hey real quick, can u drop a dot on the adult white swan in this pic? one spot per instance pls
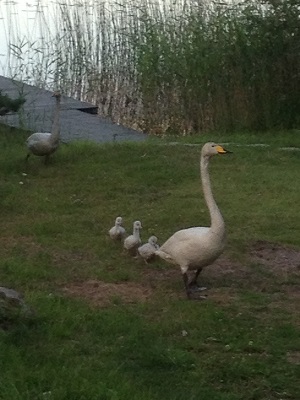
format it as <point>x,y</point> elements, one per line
<point>195,248</point>
<point>45,143</point>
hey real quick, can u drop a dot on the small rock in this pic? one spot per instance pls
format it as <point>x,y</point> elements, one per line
<point>14,298</point>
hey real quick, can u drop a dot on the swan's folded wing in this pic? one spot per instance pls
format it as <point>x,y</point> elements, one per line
<point>185,235</point>
<point>38,137</point>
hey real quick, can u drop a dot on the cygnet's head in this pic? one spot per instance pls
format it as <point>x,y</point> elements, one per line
<point>152,240</point>
<point>137,225</point>
<point>210,149</point>
<point>119,221</point>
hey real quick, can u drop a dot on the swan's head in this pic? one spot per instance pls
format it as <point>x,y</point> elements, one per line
<point>119,221</point>
<point>210,149</point>
<point>56,94</point>
<point>152,240</point>
<point>137,225</point>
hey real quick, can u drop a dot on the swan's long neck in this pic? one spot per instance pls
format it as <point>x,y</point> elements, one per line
<point>56,122</point>
<point>217,222</point>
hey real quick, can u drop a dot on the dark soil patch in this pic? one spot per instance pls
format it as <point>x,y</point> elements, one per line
<point>280,259</point>
<point>226,273</point>
<point>279,268</point>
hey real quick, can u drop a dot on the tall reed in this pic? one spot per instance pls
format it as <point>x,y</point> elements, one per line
<point>178,66</point>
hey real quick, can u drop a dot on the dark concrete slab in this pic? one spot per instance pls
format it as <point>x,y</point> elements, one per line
<point>79,120</point>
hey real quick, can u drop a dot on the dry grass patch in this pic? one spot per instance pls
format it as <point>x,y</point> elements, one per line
<point>293,357</point>
<point>24,243</point>
<point>102,294</point>
<point>64,258</point>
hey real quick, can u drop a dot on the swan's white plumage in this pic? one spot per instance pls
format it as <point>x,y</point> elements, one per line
<point>147,250</point>
<point>39,144</point>
<point>132,242</point>
<point>191,248</point>
<point>197,247</point>
<point>45,143</point>
<point>117,232</point>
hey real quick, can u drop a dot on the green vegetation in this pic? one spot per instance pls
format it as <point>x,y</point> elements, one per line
<point>7,104</point>
<point>91,340</point>
<point>180,66</point>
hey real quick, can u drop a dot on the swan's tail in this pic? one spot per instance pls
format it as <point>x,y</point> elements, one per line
<point>164,256</point>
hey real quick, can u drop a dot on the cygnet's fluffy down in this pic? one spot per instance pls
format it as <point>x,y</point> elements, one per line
<point>132,242</point>
<point>117,232</point>
<point>147,250</point>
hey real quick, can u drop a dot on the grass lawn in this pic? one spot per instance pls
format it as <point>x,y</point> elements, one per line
<point>107,326</point>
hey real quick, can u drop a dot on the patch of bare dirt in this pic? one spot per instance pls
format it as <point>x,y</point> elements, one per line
<point>155,277</point>
<point>225,272</point>
<point>280,259</point>
<point>102,294</point>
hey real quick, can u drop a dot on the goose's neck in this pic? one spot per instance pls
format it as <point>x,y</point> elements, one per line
<point>217,222</point>
<point>55,132</point>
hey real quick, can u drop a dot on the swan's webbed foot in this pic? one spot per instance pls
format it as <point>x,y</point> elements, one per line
<point>194,294</point>
<point>194,287</point>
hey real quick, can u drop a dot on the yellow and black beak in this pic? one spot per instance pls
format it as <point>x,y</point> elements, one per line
<point>221,150</point>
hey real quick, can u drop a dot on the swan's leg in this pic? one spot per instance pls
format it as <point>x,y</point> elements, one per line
<point>189,290</point>
<point>193,285</point>
<point>28,155</point>
<point>186,284</point>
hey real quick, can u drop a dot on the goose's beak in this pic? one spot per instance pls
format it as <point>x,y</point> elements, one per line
<point>221,150</point>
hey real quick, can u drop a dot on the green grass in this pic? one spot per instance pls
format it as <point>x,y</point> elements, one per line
<point>54,235</point>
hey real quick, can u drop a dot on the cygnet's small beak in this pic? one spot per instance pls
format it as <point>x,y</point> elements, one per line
<point>221,150</point>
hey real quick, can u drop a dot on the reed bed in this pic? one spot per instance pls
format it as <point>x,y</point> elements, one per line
<point>178,66</point>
